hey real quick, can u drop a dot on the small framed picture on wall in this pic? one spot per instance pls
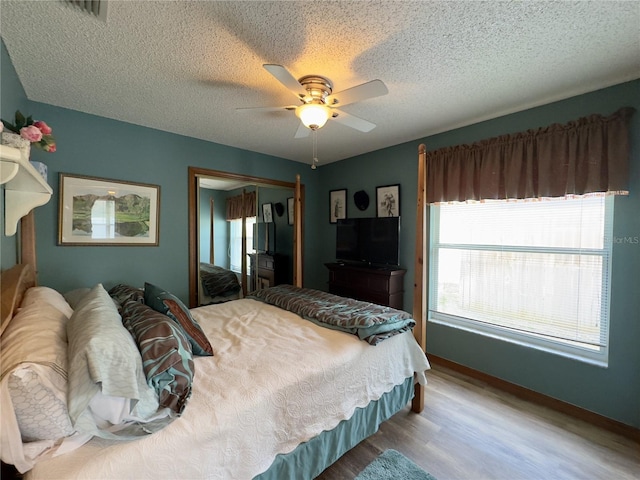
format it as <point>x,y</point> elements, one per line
<point>267,213</point>
<point>388,201</point>
<point>290,210</point>
<point>337,205</point>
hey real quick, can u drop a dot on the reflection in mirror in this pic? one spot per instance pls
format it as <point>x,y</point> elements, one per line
<point>270,259</point>
<point>218,255</point>
<point>223,206</point>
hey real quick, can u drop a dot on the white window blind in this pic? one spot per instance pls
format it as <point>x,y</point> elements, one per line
<point>235,242</point>
<point>534,272</point>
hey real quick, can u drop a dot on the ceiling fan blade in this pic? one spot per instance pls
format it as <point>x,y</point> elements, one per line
<point>285,78</point>
<point>266,109</point>
<point>374,88</point>
<point>302,131</point>
<point>352,121</point>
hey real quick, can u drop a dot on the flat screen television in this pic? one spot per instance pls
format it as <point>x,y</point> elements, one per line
<point>264,237</point>
<point>368,241</point>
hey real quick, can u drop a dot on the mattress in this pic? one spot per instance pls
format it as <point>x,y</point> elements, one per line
<point>274,382</point>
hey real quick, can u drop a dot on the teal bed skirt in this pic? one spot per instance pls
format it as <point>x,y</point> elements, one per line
<point>311,458</point>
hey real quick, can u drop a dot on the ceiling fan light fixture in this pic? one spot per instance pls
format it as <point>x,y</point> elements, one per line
<point>313,115</point>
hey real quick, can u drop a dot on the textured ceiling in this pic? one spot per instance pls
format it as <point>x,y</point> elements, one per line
<point>185,66</point>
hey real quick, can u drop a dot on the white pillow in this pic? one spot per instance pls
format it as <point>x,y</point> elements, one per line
<point>33,385</point>
<point>105,361</point>
<point>47,296</point>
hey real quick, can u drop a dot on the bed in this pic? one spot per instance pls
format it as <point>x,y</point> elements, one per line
<point>277,396</point>
<point>217,284</point>
<point>281,397</point>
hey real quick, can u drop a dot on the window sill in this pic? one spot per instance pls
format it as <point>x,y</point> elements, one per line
<point>513,338</point>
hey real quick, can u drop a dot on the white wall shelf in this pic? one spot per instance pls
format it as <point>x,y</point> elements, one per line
<point>24,187</point>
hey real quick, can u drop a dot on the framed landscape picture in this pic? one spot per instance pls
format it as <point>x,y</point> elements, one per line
<point>98,211</point>
<point>337,205</point>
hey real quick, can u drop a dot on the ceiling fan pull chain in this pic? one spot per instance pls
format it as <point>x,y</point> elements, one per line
<point>315,149</point>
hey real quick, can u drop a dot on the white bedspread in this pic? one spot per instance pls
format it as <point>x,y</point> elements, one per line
<point>275,381</point>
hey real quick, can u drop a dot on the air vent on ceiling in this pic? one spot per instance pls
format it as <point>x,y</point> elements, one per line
<point>98,8</point>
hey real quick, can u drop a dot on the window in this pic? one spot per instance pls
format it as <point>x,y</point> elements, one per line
<point>531,272</point>
<point>235,242</point>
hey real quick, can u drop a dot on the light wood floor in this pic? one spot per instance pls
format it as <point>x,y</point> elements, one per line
<point>469,430</point>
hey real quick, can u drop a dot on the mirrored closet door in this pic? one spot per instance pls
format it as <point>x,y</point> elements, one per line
<point>241,235</point>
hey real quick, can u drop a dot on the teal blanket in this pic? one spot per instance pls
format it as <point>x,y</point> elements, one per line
<point>372,323</point>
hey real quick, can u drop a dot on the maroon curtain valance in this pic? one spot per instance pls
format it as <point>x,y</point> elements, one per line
<point>237,203</point>
<point>588,155</point>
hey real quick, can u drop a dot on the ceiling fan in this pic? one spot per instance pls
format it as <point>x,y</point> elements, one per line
<point>319,103</point>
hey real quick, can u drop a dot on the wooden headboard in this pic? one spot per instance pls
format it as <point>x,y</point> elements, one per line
<point>13,283</point>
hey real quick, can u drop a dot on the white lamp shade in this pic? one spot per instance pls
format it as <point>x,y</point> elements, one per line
<point>313,115</point>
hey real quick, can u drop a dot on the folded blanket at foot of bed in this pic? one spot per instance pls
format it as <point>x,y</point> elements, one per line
<point>372,323</point>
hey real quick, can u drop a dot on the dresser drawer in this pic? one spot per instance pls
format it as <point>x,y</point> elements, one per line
<point>265,262</point>
<point>375,285</point>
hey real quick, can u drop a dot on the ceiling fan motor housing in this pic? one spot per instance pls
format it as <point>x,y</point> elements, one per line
<point>318,88</point>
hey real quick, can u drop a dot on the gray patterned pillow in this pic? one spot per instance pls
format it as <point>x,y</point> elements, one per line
<point>166,353</point>
<point>122,293</point>
<point>41,415</point>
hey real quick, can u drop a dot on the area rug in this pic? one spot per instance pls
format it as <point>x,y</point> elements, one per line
<point>392,465</point>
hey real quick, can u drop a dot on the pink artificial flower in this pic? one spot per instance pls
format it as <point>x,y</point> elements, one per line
<point>31,133</point>
<point>44,128</point>
<point>50,148</point>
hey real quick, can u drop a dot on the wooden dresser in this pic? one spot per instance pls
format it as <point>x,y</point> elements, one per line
<point>383,286</point>
<point>268,270</point>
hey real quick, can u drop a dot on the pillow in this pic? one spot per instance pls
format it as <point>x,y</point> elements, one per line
<point>122,293</point>
<point>104,360</point>
<point>33,385</point>
<point>166,353</point>
<point>168,304</point>
<point>39,409</point>
<point>48,296</point>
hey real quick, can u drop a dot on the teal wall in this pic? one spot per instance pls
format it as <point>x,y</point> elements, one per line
<point>90,145</point>
<point>206,195</point>
<point>221,230</point>
<point>389,166</point>
<point>613,391</point>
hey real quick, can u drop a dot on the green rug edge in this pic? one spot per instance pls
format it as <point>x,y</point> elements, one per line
<point>392,465</point>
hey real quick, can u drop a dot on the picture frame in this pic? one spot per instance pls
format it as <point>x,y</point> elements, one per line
<point>100,211</point>
<point>337,205</point>
<point>290,214</point>
<point>267,212</point>
<point>388,201</point>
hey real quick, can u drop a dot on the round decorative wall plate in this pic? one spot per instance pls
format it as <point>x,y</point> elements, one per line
<point>361,199</point>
